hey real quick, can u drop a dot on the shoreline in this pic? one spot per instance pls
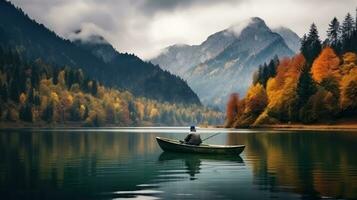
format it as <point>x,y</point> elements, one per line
<point>284,127</point>
<point>312,127</point>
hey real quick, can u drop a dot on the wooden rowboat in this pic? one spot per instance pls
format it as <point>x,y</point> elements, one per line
<point>172,145</point>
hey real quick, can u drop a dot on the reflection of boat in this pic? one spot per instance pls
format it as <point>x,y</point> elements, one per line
<point>176,146</point>
<point>165,156</point>
<point>193,161</point>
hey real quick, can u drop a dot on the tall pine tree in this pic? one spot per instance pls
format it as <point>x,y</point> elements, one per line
<point>311,45</point>
<point>306,86</point>
<point>333,34</point>
<point>347,29</point>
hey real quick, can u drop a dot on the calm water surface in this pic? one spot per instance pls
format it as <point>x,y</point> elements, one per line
<point>128,163</point>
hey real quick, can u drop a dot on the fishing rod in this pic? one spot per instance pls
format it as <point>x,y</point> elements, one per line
<point>211,136</point>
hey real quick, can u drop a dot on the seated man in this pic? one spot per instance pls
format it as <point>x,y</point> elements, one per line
<point>193,138</point>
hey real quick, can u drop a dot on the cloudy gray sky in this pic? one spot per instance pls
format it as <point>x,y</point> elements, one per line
<point>144,27</point>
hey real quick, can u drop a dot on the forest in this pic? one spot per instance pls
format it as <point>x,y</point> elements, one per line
<point>318,85</point>
<point>38,93</point>
<point>123,71</point>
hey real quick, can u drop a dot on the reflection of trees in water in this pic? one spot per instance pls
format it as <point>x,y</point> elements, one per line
<point>26,157</point>
<point>312,164</point>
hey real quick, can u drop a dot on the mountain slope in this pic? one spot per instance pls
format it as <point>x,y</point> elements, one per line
<point>229,66</point>
<point>290,37</point>
<point>180,58</point>
<point>33,41</point>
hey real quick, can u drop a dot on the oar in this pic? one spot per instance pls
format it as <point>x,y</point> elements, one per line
<point>211,136</point>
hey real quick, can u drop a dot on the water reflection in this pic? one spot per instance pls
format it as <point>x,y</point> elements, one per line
<point>95,164</point>
<point>313,164</point>
<point>193,161</point>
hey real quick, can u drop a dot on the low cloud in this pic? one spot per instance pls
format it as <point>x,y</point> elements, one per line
<point>145,27</point>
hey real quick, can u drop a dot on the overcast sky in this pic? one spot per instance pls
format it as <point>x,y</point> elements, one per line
<point>144,27</point>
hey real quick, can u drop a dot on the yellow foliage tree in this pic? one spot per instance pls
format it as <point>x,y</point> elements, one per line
<point>348,97</point>
<point>349,62</point>
<point>256,99</point>
<point>22,98</point>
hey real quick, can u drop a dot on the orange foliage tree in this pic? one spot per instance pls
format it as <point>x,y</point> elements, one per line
<point>232,108</point>
<point>281,90</point>
<point>326,65</point>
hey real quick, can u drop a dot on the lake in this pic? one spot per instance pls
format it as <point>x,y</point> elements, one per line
<point>127,163</point>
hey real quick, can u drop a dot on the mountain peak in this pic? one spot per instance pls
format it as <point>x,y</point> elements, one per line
<point>87,36</point>
<point>257,20</point>
<point>253,22</point>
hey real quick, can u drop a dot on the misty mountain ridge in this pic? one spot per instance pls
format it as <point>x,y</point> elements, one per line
<point>97,58</point>
<point>225,62</point>
<point>291,38</point>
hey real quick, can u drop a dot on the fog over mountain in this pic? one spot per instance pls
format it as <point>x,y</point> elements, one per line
<point>93,54</point>
<point>225,62</point>
<point>144,27</point>
<point>290,37</point>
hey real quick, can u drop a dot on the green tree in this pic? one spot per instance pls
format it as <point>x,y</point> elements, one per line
<point>348,31</point>
<point>26,113</point>
<point>94,90</point>
<point>306,86</point>
<point>311,45</point>
<point>47,114</point>
<point>333,34</point>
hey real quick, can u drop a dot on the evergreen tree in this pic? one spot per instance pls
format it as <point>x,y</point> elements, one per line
<point>35,77</point>
<point>347,27</point>
<point>266,71</point>
<point>311,45</point>
<point>133,113</point>
<point>86,113</point>
<point>37,100</point>
<point>47,114</point>
<point>306,86</point>
<point>94,90</point>
<point>333,34</point>
<point>26,113</point>
<point>14,91</point>
<point>347,31</point>
<point>55,75</point>
<point>30,96</point>
<point>3,92</point>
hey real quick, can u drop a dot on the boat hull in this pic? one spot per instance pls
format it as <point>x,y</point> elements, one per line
<point>175,146</point>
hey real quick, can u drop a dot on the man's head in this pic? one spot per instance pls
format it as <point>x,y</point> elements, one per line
<point>193,129</point>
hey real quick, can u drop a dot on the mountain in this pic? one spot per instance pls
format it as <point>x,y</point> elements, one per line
<point>225,62</point>
<point>181,57</point>
<point>290,37</point>
<point>96,57</point>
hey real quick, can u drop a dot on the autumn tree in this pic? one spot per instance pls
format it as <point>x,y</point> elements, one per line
<point>232,108</point>
<point>256,100</point>
<point>326,65</point>
<point>349,91</point>
<point>349,62</point>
